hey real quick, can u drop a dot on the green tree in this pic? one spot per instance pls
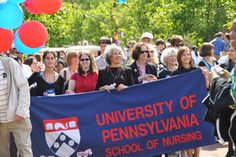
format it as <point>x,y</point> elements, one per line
<point>196,20</point>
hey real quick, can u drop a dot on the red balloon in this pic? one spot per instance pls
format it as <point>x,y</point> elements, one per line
<point>30,8</point>
<point>47,6</point>
<point>33,34</point>
<point>6,39</point>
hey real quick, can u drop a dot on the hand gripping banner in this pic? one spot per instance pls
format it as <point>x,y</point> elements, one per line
<point>143,120</point>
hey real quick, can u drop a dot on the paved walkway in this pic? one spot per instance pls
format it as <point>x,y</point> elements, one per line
<point>215,150</point>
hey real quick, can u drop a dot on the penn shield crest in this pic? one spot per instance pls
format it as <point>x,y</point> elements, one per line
<point>62,135</point>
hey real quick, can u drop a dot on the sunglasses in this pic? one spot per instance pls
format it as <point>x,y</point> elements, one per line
<point>86,59</point>
<point>142,52</point>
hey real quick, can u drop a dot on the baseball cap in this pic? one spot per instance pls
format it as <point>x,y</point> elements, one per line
<point>147,35</point>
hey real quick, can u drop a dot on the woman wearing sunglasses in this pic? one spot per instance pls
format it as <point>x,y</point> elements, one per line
<point>142,70</point>
<point>86,77</point>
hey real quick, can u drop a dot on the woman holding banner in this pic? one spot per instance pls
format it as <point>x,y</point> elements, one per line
<point>186,64</point>
<point>169,60</point>
<point>114,76</point>
<point>86,78</point>
<point>142,70</point>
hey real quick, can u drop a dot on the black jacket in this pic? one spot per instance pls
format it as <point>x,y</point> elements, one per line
<point>150,69</point>
<point>217,102</point>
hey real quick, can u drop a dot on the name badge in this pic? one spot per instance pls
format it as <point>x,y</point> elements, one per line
<point>50,92</point>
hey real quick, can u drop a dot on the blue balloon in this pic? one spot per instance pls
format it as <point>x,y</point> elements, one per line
<point>22,48</point>
<point>11,15</point>
<point>16,1</point>
<point>3,1</point>
<point>121,1</point>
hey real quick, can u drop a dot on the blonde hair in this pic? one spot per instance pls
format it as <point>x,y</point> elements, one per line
<point>69,55</point>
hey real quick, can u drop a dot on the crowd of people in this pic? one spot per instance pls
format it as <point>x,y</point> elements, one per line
<point>53,73</point>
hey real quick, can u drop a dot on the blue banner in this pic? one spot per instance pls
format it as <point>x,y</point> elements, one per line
<point>143,120</point>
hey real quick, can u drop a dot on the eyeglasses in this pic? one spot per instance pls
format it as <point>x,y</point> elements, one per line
<point>142,52</point>
<point>86,59</point>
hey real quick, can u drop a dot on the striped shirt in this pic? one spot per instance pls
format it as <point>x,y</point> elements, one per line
<point>3,94</point>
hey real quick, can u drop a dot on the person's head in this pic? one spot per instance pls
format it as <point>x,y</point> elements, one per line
<point>233,34</point>
<point>194,48</point>
<point>140,51</point>
<point>61,54</point>
<point>72,58</point>
<point>160,44</point>
<point>207,49</point>
<point>60,65</point>
<point>130,45</point>
<point>227,37</point>
<point>13,51</point>
<point>184,57</point>
<point>49,59</point>
<point>177,41</point>
<point>86,62</point>
<point>16,58</point>
<point>153,54</point>
<point>103,42</point>
<point>147,37</point>
<point>219,35</point>
<point>32,62</point>
<point>232,53</point>
<point>38,57</point>
<point>114,55</point>
<point>169,56</point>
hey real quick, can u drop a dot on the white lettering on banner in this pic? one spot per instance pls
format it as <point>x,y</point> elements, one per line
<point>86,153</point>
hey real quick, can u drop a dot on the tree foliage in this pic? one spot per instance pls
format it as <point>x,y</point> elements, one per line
<point>196,20</point>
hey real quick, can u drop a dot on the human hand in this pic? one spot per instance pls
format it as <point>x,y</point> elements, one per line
<point>226,74</point>
<point>107,87</point>
<point>151,77</point>
<point>121,87</point>
<point>18,118</point>
<point>147,77</point>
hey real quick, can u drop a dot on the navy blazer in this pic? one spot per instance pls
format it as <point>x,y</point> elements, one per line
<point>150,69</point>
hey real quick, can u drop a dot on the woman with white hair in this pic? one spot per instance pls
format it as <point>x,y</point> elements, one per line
<point>169,60</point>
<point>114,76</point>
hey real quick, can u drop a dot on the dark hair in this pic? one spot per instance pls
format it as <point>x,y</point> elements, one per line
<point>176,40</point>
<point>227,35</point>
<point>37,57</point>
<point>105,40</point>
<point>160,42</point>
<point>47,52</point>
<point>137,50</point>
<point>206,50</point>
<point>60,60</point>
<point>29,61</point>
<point>16,58</point>
<point>179,55</point>
<point>219,34</point>
<point>195,50</point>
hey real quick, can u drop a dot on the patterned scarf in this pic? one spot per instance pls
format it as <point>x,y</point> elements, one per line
<point>233,85</point>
